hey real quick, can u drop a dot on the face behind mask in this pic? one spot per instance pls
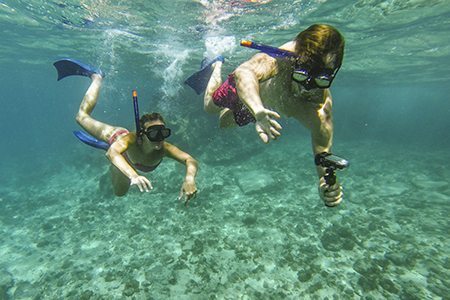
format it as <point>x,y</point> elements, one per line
<point>314,77</point>
<point>157,133</point>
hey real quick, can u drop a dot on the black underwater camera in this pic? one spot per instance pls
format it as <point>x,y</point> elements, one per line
<point>331,163</point>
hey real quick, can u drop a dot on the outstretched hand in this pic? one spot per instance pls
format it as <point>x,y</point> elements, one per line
<point>188,191</point>
<point>266,126</point>
<point>142,183</point>
<point>330,194</point>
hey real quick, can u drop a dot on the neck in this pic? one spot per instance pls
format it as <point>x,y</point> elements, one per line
<point>150,147</point>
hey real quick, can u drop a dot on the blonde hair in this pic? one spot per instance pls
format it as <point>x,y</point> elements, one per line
<point>322,44</point>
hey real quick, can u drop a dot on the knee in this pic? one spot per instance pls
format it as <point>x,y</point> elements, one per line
<point>210,107</point>
<point>120,189</point>
<point>81,115</point>
<point>120,193</point>
<point>207,108</point>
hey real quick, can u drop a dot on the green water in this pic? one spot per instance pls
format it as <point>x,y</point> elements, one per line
<point>257,229</point>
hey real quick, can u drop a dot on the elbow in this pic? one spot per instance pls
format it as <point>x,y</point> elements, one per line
<point>110,154</point>
<point>191,161</point>
<point>80,117</point>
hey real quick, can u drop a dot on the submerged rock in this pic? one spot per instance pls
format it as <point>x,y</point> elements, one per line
<point>389,286</point>
<point>367,283</point>
<point>393,189</point>
<point>26,290</point>
<point>396,258</point>
<point>366,267</point>
<point>338,238</point>
<point>131,287</point>
<point>305,275</point>
<point>6,282</point>
<point>255,181</point>
<point>250,220</point>
<point>424,182</point>
<point>86,295</point>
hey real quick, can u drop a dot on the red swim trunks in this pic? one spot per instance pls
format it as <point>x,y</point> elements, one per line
<point>226,96</point>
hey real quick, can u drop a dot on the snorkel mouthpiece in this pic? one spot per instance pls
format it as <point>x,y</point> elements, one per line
<point>272,51</point>
<point>136,113</point>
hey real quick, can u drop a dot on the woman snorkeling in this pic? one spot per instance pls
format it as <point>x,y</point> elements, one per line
<point>129,152</point>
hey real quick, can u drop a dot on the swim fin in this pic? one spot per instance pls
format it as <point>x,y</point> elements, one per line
<point>90,140</point>
<point>199,80</point>
<point>68,66</point>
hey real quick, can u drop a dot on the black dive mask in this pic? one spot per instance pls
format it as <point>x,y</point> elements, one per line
<point>157,133</point>
<point>313,79</point>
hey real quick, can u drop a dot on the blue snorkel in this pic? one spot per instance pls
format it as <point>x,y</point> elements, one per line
<point>136,116</point>
<point>272,51</point>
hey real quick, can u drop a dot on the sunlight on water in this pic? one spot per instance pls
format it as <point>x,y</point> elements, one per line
<point>216,45</point>
<point>110,59</point>
<point>376,31</point>
<point>173,76</point>
<point>217,40</point>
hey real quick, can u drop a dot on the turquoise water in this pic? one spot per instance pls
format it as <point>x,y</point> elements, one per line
<point>257,229</point>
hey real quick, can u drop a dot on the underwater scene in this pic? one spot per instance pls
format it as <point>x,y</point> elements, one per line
<point>256,226</point>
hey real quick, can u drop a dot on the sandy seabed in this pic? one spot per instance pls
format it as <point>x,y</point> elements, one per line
<point>257,230</point>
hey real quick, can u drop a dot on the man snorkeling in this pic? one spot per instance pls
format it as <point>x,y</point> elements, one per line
<point>129,152</point>
<point>293,79</point>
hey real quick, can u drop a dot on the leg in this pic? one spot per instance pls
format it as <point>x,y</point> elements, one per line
<point>121,183</point>
<point>97,129</point>
<point>226,118</point>
<point>213,84</point>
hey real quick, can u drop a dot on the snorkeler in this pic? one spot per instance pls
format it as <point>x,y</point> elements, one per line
<point>129,152</point>
<point>293,79</point>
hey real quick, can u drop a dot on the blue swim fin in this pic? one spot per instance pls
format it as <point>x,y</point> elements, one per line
<point>68,66</point>
<point>90,140</point>
<point>199,80</point>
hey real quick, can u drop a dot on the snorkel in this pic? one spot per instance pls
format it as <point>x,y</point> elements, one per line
<point>306,78</point>
<point>272,51</point>
<point>136,117</point>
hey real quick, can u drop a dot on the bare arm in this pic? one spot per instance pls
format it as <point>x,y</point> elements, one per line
<point>322,140</point>
<point>188,188</point>
<point>114,154</point>
<point>322,131</point>
<point>248,75</point>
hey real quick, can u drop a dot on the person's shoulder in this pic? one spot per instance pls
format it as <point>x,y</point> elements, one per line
<point>261,56</point>
<point>168,147</point>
